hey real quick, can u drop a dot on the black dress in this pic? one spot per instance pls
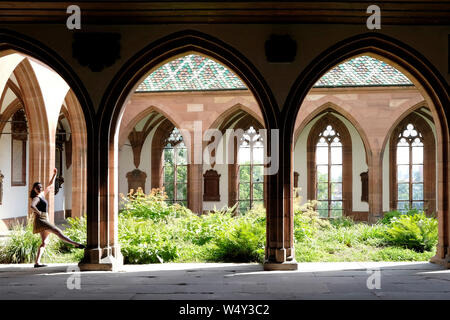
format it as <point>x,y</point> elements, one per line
<point>41,222</point>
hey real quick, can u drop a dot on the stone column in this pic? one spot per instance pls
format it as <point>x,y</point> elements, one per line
<point>103,251</point>
<point>442,256</point>
<point>280,253</point>
<point>195,188</point>
<point>375,164</point>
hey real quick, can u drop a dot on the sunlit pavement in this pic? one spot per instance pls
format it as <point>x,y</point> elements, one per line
<point>210,281</point>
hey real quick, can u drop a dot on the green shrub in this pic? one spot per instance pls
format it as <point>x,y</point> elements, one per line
<point>241,241</point>
<point>417,232</point>
<point>389,216</point>
<point>371,234</point>
<point>342,222</point>
<point>145,241</point>
<point>22,246</point>
<point>149,206</point>
<point>400,254</point>
<point>307,221</point>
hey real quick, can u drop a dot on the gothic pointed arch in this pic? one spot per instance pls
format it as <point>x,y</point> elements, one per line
<point>412,165</point>
<point>426,78</point>
<point>129,77</point>
<point>331,107</point>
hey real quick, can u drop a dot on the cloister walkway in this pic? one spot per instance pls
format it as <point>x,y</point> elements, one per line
<point>215,281</point>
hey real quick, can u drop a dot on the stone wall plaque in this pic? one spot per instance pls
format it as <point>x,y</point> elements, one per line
<point>211,181</point>
<point>365,186</point>
<point>136,179</point>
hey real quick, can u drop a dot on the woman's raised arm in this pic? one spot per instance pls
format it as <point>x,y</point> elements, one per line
<point>52,181</point>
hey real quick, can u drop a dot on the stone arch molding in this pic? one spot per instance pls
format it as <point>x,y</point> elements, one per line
<point>42,132</point>
<point>431,86</point>
<point>103,236</point>
<point>332,107</point>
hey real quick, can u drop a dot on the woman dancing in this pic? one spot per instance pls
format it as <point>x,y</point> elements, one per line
<point>41,224</point>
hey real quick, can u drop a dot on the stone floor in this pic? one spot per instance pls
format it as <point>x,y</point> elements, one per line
<point>346,280</point>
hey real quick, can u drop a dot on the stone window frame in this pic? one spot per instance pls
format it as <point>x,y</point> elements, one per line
<point>347,179</point>
<point>60,140</point>
<point>233,168</point>
<point>19,133</point>
<point>251,183</point>
<point>160,137</point>
<point>429,161</point>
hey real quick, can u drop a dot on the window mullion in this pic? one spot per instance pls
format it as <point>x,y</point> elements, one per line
<point>174,174</point>
<point>329,181</point>
<point>410,177</point>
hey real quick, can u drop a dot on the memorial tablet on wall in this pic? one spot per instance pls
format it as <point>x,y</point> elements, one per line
<point>211,186</point>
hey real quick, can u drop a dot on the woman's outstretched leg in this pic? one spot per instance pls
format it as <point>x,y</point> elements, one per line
<point>64,238</point>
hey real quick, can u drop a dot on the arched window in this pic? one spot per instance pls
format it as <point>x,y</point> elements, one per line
<point>59,148</point>
<point>251,170</point>
<point>329,167</point>
<point>175,168</point>
<point>329,173</point>
<point>412,165</point>
<point>19,138</point>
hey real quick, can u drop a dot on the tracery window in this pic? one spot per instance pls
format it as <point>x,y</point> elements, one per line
<point>329,173</point>
<point>329,155</point>
<point>175,168</point>
<point>59,148</point>
<point>251,170</point>
<point>19,139</point>
<point>410,173</point>
<point>413,165</point>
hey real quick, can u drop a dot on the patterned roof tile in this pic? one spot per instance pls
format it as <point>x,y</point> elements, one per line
<point>197,73</point>
<point>191,73</point>
<point>363,71</point>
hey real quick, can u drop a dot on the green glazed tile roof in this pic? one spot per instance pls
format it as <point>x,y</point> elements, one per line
<point>197,73</point>
<point>191,73</point>
<point>363,71</point>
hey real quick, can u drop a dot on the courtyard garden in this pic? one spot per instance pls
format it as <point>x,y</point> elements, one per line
<point>154,231</point>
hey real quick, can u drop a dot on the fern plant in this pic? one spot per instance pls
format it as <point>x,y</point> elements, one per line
<point>417,232</point>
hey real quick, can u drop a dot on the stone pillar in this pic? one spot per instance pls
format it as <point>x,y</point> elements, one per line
<point>442,256</point>
<point>103,251</point>
<point>375,164</point>
<point>195,188</point>
<point>280,253</point>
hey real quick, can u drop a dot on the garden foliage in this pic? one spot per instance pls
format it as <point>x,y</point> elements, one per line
<point>154,231</point>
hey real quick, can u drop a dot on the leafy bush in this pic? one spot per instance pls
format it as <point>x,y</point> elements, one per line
<point>342,222</point>
<point>145,241</point>
<point>417,232</point>
<point>389,216</point>
<point>307,221</point>
<point>22,246</point>
<point>149,206</point>
<point>400,254</point>
<point>242,240</point>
